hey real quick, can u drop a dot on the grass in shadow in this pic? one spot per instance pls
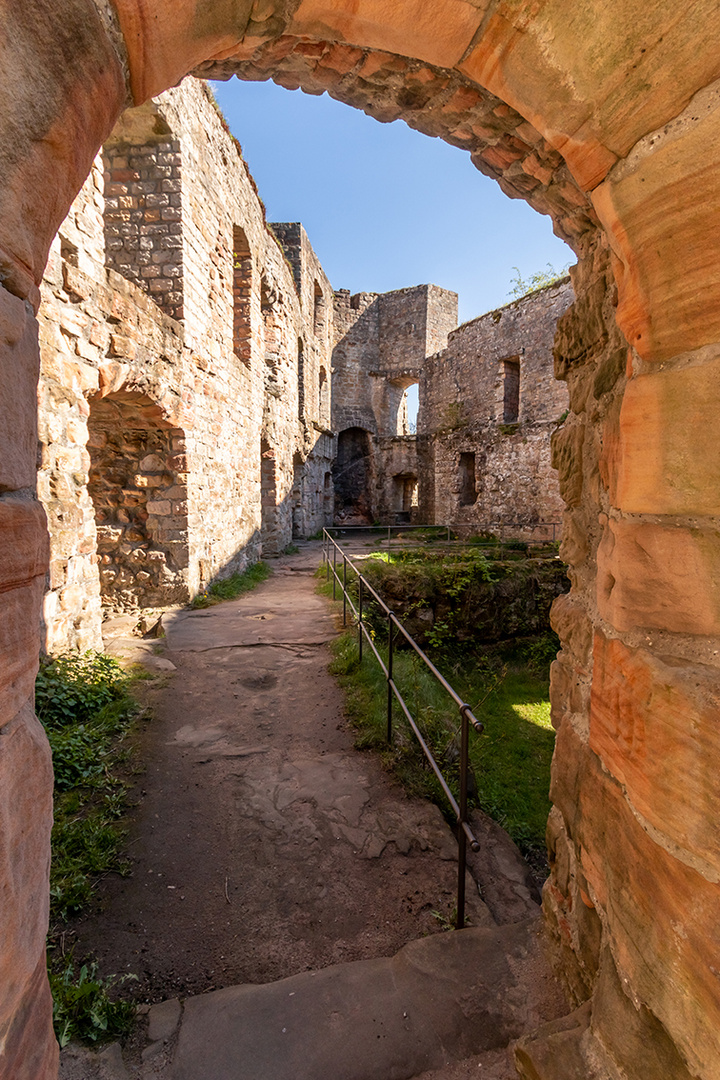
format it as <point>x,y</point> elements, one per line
<point>230,588</point>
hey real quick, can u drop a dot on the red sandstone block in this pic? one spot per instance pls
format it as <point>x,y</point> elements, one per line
<point>659,913</point>
<point>656,728</point>
<point>659,577</point>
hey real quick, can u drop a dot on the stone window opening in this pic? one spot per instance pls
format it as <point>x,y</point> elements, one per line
<point>318,310</point>
<point>328,500</point>
<point>323,397</point>
<point>402,405</point>
<point>405,490</point>
<point>468,483</point>
<point>511,390</point>
<point>353,477</point>
<point>136,483</point>
<point>242,296</point>
<point>298,497</point>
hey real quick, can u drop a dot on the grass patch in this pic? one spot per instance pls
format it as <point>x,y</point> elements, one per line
<point>85,705</point>
<point>231,587</point>
<point>506,686</point>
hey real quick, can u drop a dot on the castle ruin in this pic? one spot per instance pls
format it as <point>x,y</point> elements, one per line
<point>206,398</point>
<point>606,117</point>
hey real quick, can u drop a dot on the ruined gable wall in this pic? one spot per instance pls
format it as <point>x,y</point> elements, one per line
<point>104,334</point>
<point>462,413</point>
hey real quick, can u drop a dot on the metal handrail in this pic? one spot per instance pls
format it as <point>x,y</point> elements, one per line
<point>464,833</point>
<point>504,528</point>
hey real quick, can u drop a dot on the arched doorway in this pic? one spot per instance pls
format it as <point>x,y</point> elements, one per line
<point>353,478</point>
<point>140,504</point>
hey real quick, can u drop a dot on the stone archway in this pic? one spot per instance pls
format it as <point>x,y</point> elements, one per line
<point>606,117</point>
<point>140,504</point>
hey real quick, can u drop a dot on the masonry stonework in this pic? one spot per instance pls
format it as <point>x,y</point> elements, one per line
<point>609,124</point>
<point>489,404</point>
<point>151,423</point>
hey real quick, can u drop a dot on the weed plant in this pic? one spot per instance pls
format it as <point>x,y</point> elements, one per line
<point>230,588</point>
<point>86,708</point>
<point>84,1005</point>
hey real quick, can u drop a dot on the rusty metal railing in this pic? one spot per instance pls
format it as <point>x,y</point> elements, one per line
<point>499,533</point>
<point>331,550</point>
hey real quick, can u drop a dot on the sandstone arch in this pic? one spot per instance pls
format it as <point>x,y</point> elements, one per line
<point>605,115</point>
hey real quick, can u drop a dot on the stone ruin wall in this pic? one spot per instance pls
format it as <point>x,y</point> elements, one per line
<point>381,342</point>
<point>151,426</point>
<point>384,342</point>
<point>481,463</point>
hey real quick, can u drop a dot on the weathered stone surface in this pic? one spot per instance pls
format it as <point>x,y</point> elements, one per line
<point>569,619</point>
<point>664,577</point>
<point>23,536</point>
<point>61,113</point>
<point>659,913</point>
<point>667,265</point>
<point>567,458</point>
<point>668,461</point>
<point>572,923</point>
<point>440,34</point>
<point>19,364</point>
<point>28,1050</point>
<point>592,103</point>
<point>630,1034</point>
<point>656,728</point>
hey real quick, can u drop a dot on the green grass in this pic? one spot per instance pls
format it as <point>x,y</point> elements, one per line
<point>507,688</point>
<point>231,587</point>
<point>85,704</point>
<point>510,759</point>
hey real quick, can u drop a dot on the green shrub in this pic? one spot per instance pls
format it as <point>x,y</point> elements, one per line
<point>75,687</point>
<point>84,703</point>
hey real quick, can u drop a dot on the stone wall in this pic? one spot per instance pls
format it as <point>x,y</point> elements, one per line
<point>143,191</point>
<point>489,404</point>
<point>150,425</point>
<point>381,343</point>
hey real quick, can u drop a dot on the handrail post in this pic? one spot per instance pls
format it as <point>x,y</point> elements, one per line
<point>334,565</point>
<point>360,615</point>
<point>462,838</point>
<point>388,537</point>
<point>344,588</point>
<point>389,677</point>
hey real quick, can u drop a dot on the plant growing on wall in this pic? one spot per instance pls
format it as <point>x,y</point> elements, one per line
<point>521,286</point>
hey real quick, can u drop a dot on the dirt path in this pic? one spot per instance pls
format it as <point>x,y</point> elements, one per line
<point>262,843</point>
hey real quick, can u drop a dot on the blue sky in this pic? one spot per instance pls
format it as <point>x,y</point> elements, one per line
<point>384,206</point>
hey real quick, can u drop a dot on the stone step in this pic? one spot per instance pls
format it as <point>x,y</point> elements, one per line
<point>440,1000</point>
